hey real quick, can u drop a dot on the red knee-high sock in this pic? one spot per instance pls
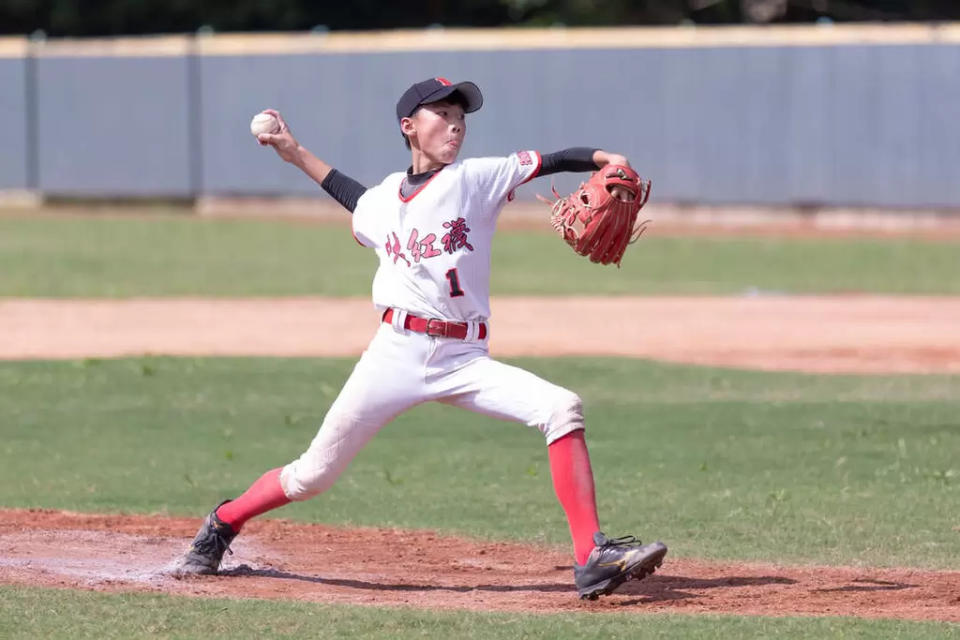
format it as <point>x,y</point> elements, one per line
<point>573,483</point>
<point>262,496</point>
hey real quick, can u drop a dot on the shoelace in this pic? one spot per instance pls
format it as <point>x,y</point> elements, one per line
<point>625,540</point>
<point>215,542</point>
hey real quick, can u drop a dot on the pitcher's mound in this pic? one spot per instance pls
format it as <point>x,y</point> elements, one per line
<point>387,567</point>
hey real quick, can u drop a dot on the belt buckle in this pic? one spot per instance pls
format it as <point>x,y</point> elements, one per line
<point>436,328</point>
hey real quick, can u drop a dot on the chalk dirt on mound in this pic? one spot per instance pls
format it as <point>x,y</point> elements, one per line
<point>278,559</point>
<point>841,334</point>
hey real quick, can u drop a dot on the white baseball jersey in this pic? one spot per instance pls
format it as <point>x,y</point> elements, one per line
<point>434,249</point>
<point>434,246</point>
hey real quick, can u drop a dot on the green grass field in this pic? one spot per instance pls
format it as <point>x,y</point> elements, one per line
<point>720,464</point>
<point>100,256</point>
<point>35,613</point>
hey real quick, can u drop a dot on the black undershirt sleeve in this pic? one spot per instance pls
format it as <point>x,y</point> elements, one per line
<point>572,159</point>
<point>343,188</point>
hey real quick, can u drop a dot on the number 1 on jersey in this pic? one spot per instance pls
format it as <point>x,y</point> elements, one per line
<point>455,290</point>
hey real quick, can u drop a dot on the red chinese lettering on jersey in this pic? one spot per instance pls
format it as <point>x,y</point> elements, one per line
<point>524,157</point>
<point>394,249</point>
<point>422,248</point>
<point>456,238</point>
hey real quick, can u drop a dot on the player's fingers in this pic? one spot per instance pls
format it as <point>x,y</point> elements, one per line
<point>268,138</point>
<point>622,194</point>
<point>276,114</point>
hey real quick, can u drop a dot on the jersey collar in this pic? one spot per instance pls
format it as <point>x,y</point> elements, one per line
<point>419,180</point>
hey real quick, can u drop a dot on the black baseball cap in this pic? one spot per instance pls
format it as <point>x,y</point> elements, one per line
<point>435,90</point>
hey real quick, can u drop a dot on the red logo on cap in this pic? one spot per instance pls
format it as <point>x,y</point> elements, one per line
<point>443,81</point>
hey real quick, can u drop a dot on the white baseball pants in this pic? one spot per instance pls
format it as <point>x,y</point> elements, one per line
<point>401,369</point>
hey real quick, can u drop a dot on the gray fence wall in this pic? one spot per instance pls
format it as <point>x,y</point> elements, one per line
<point>873,125</point>
<point>113,126</point>
<point>14,159</point>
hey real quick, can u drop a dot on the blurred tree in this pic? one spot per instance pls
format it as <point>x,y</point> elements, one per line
<point>114,17</point>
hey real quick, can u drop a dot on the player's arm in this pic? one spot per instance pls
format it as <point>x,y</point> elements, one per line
<point>577,159</point>
<point>343,188</point>
<point>582,159</point>
<point>499,177</point>
<point>602,158</point>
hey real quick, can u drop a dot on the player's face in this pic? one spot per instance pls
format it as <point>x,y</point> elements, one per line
<point>440,129</point>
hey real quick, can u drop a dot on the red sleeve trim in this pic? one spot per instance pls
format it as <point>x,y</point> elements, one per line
<point>536,169</point>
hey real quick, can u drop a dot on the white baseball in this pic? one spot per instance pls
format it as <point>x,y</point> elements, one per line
<point>264,123</point>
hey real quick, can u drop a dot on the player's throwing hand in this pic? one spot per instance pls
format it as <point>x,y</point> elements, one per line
<point>283,141</point>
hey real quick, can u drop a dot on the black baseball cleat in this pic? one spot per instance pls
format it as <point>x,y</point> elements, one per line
<point>207,549</point>
<point>614,561</point>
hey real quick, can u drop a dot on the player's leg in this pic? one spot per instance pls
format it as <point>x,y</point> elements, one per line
<point>372,397</point>
<point>379,388</point>
<point>263,495</point>
<point>510,393</point>
<point>503,391</point>
<point>573,483</point>
<point>368,400</point>
<point>387,381</point>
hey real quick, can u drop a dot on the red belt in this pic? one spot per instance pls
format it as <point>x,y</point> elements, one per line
<point>435,327</point>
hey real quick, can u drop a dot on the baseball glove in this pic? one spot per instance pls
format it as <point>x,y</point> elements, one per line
<point>599,219</point>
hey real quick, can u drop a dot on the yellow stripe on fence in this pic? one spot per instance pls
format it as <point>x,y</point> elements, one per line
<point>13,47</point>
<point>441,39</point>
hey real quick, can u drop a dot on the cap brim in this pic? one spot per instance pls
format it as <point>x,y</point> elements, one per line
<point>470,92</point>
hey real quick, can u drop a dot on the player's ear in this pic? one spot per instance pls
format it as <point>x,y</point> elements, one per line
<point>407,128</point>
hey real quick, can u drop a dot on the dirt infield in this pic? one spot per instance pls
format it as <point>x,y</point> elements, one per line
<point>839,334</point>
<point>387,567</point>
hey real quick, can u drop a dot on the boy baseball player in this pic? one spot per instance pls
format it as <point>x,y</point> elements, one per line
<point>431,227</point>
